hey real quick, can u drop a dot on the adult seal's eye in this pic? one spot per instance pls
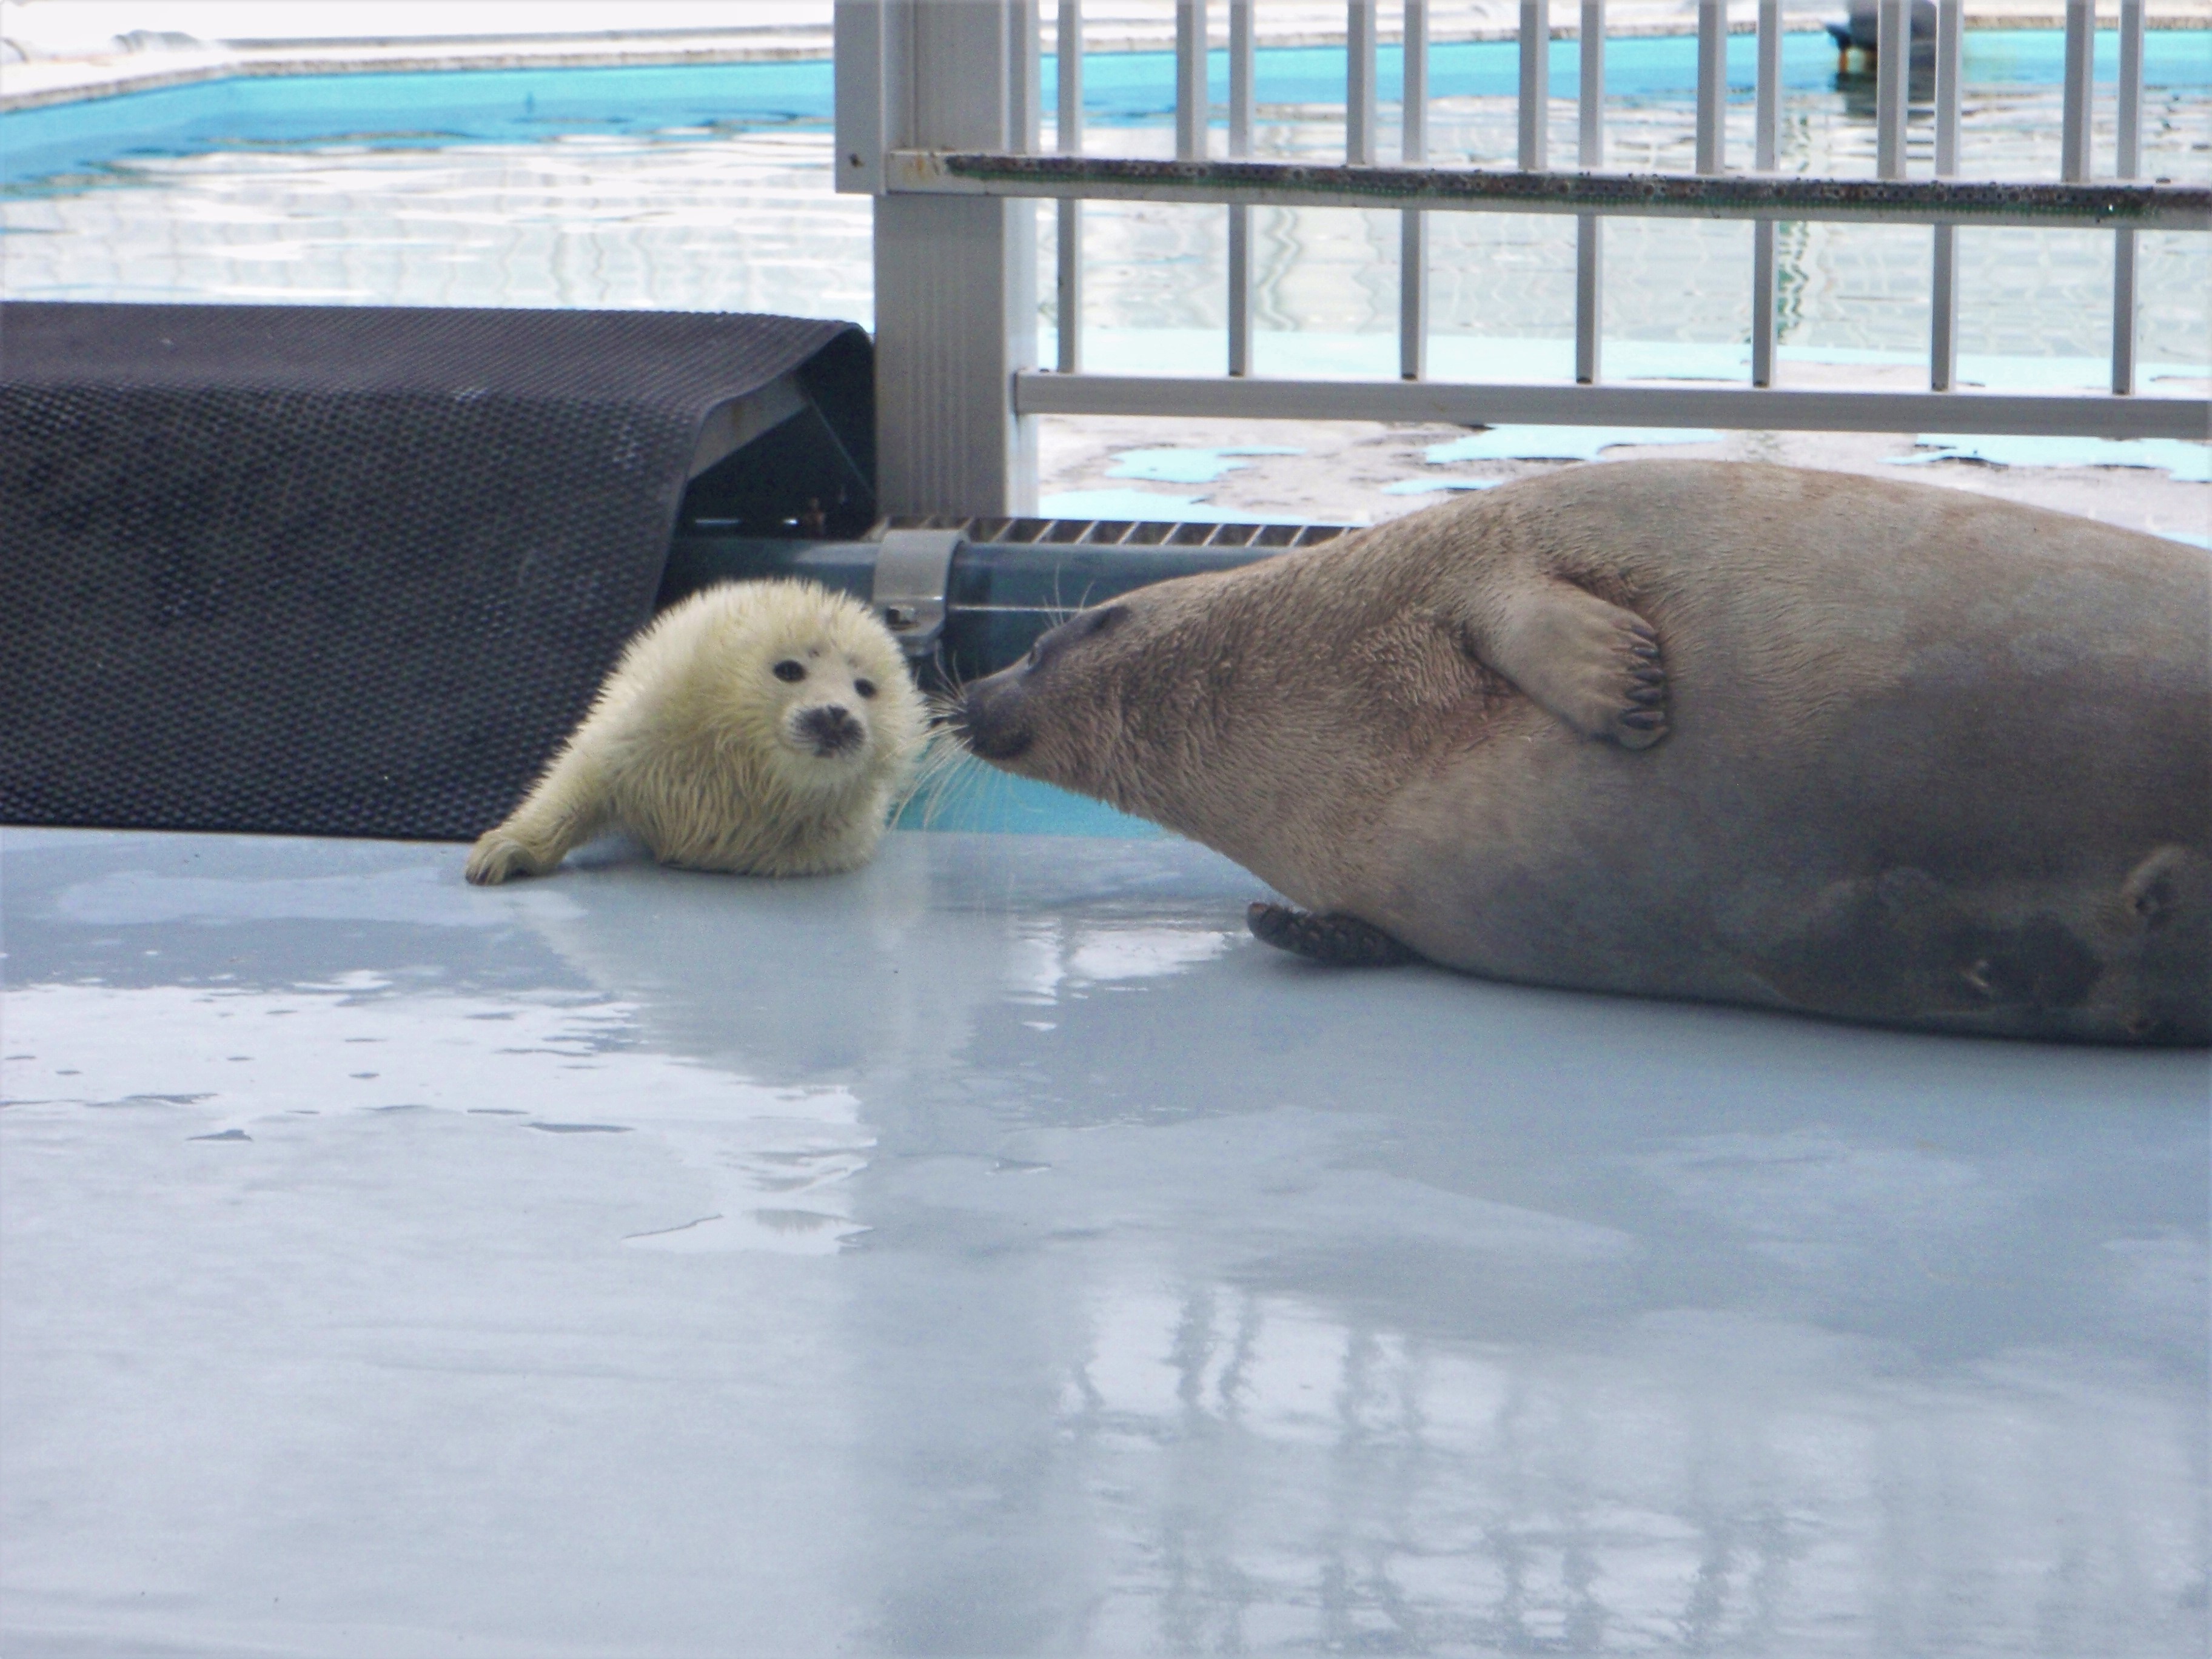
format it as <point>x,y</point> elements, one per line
<point>790,670</point>
<point>866,688</point>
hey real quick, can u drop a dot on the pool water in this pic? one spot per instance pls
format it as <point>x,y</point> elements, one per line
<point>709,188</point>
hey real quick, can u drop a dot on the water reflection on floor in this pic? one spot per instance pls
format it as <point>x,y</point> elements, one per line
<point>997,1252</point>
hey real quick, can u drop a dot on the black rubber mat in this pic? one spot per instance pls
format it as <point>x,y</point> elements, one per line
<point>341,570</point>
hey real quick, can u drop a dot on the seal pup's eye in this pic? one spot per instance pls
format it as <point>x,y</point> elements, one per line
<point>789,670</point>
<point>866,688</point>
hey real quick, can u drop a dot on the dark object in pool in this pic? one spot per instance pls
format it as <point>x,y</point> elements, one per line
<point>1861,31</point>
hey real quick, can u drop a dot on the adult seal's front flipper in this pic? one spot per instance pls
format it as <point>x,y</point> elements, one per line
<point>1344,941</point>
<point>1593,665</point>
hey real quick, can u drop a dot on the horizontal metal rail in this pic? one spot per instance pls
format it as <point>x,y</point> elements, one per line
<point>1650,195</point>
<point>1734,408</point>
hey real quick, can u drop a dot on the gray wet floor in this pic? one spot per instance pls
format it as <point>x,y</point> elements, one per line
<point>996,1252</point>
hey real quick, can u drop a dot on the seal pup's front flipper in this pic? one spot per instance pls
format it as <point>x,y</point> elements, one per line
<point>1595,664</point>
<point>1344,941</point>
<point>566,808</point>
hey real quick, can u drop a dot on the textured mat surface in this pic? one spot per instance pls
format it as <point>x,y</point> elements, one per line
<point>339,570</point>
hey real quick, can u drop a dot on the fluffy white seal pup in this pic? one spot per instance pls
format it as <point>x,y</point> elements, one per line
<point>1882,751</point>
<point>763,728</point>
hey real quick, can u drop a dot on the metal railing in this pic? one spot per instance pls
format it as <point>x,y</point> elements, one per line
<point>937,118</point>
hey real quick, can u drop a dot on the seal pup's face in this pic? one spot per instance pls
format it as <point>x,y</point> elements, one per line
<point>805,682</point>
<point>825,713</point>
<point>824,697</point>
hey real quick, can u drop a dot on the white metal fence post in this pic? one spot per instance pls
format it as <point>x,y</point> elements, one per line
<point>1192,107</point>
<point>1413,226</point>
<point>1765,143</point>
<point>2127,163</point>
<point>1712,86</point>
<point>1535,99</point>
<point>2078,95</point>
<point>1590,229</point>
<point>956,277</point>
<point>1359,33</point>
<point>1241,64</point>
<point>1892,66</point>
<point>1943,292</point>
<point>1067,56</point>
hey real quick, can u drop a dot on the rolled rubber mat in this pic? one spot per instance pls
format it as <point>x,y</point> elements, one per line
<point>341,570</point>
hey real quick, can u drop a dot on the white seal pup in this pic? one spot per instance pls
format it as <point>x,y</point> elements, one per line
<point>1876,750</point>
<point>764,727</point>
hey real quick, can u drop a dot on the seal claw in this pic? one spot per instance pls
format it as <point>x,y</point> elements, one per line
<point>1593,663</point>
<point>1344,941</point>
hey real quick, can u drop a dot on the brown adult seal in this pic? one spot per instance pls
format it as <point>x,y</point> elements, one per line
<point>1743,733</point>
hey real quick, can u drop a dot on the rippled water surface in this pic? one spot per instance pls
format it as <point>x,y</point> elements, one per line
<point>679,213</point>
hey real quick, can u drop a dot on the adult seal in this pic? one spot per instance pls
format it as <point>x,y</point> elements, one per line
<point>1742,733</point>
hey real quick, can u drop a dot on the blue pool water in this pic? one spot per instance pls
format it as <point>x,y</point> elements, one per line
<point>527,105</point>
<point>970,797</point>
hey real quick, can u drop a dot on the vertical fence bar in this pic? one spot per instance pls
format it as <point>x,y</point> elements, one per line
<point>1067,52</point>
<point>1191,110</point>
<point>1765,143</point>
<point>867,116</point>
<point>1024,76</point>
<point>1359,82</point>
<point>1892,66</point>
<point>1413,226</point>
<point>1943,297</point>
<point>2128,164</point>
<point>1535,83</point>
<point>956,277</point>
<point>1240,214</point>
<point>1590,229</point>
<point>2073,132</point>
<point>1766,106</point>
<point>1712,86</point>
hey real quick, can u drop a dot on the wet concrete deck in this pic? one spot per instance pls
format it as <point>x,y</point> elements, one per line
<point>997,1252</point>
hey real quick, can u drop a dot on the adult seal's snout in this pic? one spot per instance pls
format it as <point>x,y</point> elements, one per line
<point>988,719</point>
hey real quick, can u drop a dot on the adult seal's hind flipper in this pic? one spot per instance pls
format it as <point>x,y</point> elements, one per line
<point>1340,940</point>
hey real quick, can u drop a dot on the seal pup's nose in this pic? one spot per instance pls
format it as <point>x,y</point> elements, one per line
<point>830,729</point>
